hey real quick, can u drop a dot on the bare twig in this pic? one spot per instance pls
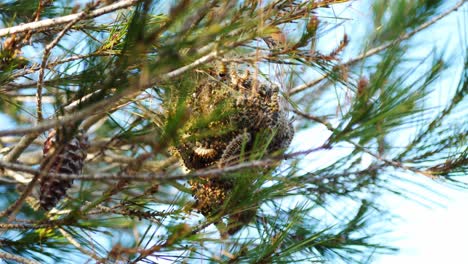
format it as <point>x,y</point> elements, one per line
<point>44,24</point>
<point>19,259</point>
<point>306,85</point>
<point>7,181</point>
<point>175,73</point>
<point>316,119</point>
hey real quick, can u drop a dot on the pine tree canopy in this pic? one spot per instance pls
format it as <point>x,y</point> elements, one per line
<point>221,131</point>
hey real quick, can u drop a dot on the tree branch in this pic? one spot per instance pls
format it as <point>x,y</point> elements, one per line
<point>19,259</point>
<point>44,24</point>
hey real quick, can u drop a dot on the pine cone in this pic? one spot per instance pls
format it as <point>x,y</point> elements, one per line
<point>60,157</point>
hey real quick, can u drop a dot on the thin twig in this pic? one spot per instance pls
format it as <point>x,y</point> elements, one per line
<point>19,259</point>
<point>47,23</point>
<point>175,73</point>
<point>306,85</point>
<point>142,177</point>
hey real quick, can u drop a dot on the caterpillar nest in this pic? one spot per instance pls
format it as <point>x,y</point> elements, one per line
<point>228,111</point>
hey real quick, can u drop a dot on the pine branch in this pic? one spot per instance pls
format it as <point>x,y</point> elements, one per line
<point>107,103</point>
<point>404,36</point>
<point>155,90</point>
<point>26,226</point>
<point>390,162</point>
<point>47,51</point>
<point>378,49</point>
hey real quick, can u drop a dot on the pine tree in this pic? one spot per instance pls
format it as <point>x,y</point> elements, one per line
<point>174,123</point>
